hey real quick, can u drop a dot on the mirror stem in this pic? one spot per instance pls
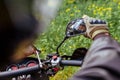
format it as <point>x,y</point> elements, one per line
<point>57,50</point>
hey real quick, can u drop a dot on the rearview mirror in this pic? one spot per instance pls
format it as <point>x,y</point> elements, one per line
<point>75,27</point>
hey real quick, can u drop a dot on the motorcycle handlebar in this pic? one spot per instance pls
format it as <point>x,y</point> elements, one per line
<point>36,68</point>
<point>71,63</point>
<point>18,72</point>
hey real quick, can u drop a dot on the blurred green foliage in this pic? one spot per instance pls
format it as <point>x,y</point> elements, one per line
<point>108,10</point>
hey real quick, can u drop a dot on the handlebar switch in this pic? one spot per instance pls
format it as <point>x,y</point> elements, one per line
<point>55,57</point>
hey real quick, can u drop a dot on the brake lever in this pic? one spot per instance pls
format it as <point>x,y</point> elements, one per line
<point>38,57</point>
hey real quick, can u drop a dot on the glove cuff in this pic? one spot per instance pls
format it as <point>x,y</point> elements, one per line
<point>99,32</point>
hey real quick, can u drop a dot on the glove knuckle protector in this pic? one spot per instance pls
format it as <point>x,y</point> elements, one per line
<point>94,26</point>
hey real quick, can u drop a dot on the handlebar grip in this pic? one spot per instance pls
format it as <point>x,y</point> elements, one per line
<point>71,63</point>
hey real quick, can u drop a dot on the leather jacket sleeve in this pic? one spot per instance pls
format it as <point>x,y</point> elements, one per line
<point>102,61</point>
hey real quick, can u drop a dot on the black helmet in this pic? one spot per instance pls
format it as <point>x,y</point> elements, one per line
<point>20,23</point>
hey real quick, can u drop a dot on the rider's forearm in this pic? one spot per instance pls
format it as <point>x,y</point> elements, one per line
<point>101,61</point>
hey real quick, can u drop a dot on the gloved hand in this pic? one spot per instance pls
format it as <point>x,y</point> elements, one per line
<point>94,27</point>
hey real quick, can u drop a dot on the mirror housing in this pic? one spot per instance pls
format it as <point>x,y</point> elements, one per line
<point>75,27</point>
